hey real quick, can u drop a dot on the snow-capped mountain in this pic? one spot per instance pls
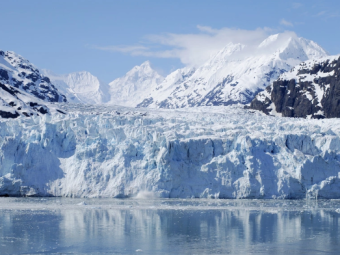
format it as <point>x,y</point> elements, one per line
<point>165,88</point>
<point>135,86</point>
<point>80,87</point>
<point>311,89</point>
<point>23,89</point>
<point>234,75</point>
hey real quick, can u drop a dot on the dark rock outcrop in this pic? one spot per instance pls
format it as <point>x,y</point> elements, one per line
<point>311,90</point>
<point>23,89</point>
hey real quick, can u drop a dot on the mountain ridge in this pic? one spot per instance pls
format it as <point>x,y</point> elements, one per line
<point>237,73</point>
<point>309,90</point>
<point>24,91</point>
<point>80,87</point>
<point>134,86</point>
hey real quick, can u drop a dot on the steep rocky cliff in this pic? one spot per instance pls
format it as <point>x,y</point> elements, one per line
<point>310,90</point>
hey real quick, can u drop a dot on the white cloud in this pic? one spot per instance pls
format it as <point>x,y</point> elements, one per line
<point>327,14</point>
<point>192,49</point>
<point>321,13</point>
<point>286,23</point>
<point>297,5</point>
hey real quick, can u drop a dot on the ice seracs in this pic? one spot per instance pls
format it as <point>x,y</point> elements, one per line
<point>235,74</point>
<point>84,150</point>
<point>211,152</point>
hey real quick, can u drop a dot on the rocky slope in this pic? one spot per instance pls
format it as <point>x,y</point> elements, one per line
<point>233,75</point>
<point>24,91</point>
<point>309,90</point>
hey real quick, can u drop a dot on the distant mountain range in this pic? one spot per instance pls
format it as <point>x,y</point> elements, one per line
<point>80,87</point>
<point>83,87</point>
<point>235,74</point>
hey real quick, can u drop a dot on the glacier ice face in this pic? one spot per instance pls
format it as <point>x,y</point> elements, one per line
<point>211,152</point>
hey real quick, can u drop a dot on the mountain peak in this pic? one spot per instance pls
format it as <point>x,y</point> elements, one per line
<point>144,69</point>
<point>135,85</point>
<point>146,64</point>
<point>290,41</point>
<point>236,73</point>
<point>80,87</point>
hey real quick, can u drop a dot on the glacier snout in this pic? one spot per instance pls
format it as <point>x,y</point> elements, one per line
<point>222,152</point>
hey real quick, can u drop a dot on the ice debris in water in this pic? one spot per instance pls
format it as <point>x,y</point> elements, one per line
<point>205,152</point>
<point>146,195</point>
<point>338,210</point>
<point>82,203</point>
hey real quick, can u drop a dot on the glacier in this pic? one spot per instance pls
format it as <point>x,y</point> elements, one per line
<point>205,152</point>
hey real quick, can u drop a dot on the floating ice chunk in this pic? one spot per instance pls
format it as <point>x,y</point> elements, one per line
<point>146,195</point>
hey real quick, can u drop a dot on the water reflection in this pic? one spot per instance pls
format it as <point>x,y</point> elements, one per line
<point>192,228</point>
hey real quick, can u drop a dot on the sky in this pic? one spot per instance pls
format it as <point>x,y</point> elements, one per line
<point>110,37</point>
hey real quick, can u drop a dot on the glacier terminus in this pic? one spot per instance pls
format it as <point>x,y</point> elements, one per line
<point>75,136</point>
<point>206,152</point>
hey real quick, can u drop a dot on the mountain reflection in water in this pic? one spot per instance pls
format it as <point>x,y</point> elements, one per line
<point>127,226</point>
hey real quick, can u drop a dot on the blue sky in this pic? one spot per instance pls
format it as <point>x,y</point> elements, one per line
<point>108,38</point>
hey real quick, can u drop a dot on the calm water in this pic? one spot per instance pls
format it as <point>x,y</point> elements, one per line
<point>169,226</point>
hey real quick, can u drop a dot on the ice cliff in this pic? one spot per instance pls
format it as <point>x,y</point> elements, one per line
<point>216,152</point>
